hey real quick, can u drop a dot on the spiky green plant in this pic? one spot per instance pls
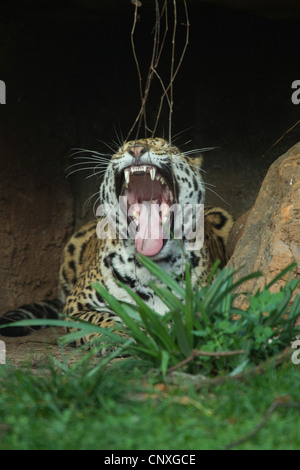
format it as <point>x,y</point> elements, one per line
<point>201,323</point>
<point>203,318</point>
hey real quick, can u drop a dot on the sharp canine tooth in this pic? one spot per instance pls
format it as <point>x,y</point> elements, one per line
<point>127,176</point>
<point>152,173</point>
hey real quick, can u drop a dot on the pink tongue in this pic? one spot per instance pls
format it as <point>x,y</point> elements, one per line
<point>148,239</point>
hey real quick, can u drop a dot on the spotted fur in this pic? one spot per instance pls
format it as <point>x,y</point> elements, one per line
<point>88,259</point>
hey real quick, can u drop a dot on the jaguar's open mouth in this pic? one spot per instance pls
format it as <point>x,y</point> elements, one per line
<point>150,193</point>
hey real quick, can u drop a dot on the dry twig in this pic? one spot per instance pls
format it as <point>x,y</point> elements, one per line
<point>280,138</point>
<point>199,381</point>
<point>168,92</point>
<point>256,370</point>
<point>283,401</point>
<point>197,352</point>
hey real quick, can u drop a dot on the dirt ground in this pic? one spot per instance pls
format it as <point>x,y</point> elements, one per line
<point>34,350</point>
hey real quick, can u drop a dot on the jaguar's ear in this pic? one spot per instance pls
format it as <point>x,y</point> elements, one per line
<point>196,161</point>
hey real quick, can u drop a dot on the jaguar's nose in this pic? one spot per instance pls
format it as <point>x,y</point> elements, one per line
<point>137,151</point>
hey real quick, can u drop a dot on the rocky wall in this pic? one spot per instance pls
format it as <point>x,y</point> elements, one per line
<point>71,82</point>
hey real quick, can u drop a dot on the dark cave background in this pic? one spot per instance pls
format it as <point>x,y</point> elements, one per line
<point>71,82</point>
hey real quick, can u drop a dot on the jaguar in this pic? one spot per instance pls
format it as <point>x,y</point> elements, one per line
<point>148,186</point>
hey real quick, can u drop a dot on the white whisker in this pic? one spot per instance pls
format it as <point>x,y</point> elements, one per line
<point>94,205</point>
<point>218,195</point>
<point>78,169</point>
<point>108,146</point>
<point>204,149</point>
<point>92,157</point>
<point>186,143</point>
<point>89,161</point>
<point>95,174</point>
<point>89,200</point>
<point>120,138</point>
<point>178,134</point>
<point>81,150</point>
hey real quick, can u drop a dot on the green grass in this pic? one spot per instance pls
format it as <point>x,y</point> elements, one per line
<point>118,408</point>
<point>131,404</point>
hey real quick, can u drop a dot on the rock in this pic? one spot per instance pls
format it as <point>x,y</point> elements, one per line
<point>270,238</point>
<point>36,222</point>
<point>236,232</point>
